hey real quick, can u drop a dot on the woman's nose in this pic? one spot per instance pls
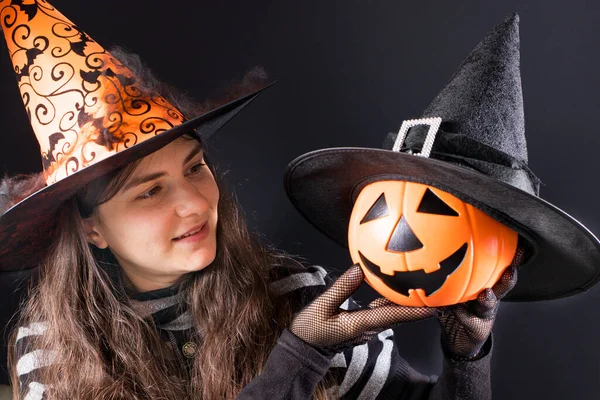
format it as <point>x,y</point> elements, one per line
<point>189,200</point>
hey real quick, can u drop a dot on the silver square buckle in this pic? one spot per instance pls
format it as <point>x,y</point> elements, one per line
<point>434,125</point>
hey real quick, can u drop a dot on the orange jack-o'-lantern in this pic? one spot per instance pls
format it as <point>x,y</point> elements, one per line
<point>421,246</point>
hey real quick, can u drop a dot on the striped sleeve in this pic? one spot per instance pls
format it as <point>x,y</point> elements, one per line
<point>375,370</point>
<point>31,361</point>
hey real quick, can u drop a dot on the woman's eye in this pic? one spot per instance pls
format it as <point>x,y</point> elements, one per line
<point>196,168</point>
<point>150,193</point>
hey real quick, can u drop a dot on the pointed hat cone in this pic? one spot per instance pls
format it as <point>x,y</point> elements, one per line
<point>83,105</point>
<point>488,84</point>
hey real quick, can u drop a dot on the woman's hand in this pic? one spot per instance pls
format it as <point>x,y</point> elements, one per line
<point>467,326</point>
<point>323,324</point>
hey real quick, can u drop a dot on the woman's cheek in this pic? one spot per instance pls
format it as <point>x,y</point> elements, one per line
<point>147,226</point>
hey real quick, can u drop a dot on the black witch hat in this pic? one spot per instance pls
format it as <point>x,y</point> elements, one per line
<point>471,143</point>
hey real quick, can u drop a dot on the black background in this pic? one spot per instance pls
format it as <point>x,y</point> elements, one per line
<point>349,72</point>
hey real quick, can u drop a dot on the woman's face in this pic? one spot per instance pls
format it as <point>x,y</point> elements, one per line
<point>162,223</point>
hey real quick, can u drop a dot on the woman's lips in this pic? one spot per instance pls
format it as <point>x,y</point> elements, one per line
<point>198,235</point>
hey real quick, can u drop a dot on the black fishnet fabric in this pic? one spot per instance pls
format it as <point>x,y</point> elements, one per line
<point>324,325</point>
<point>467,326</point>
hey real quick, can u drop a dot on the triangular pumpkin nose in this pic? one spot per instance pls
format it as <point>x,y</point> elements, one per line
<point>403,239</point>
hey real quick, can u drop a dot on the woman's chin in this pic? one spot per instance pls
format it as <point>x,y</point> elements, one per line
<point>200,262</point>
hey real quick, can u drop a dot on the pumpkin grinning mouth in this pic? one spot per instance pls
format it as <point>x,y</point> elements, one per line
<point>401,282</point>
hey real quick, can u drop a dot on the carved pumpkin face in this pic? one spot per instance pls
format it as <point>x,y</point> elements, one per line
<point>420,246</point>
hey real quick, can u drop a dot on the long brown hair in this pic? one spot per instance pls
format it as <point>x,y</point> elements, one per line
<point>105,350</point>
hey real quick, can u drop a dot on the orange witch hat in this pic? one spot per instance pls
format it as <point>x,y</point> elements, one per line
<point>87,113</point>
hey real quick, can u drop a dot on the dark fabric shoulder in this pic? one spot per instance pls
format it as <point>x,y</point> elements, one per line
<point>298,283</point>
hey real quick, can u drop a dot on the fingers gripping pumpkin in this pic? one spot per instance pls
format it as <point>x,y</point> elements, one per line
<point>419,245</point>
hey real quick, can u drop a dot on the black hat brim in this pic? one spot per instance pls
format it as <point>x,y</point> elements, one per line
<point>26,228</point>
<point>323,185</point>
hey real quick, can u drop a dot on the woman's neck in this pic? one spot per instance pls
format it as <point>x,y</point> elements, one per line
<point>135,284</point>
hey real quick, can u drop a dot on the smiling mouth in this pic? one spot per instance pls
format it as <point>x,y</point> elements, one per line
<point>190,233</point>
<point>401,282</point>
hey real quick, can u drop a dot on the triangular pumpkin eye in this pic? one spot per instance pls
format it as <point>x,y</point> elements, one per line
<point>379,209</point>
<point>432,204</point>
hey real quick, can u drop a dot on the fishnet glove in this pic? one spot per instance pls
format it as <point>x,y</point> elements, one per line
<point>324,325</point>
<point>467,326</point>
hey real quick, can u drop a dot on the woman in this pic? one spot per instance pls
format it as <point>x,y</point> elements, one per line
<point>149,285</point>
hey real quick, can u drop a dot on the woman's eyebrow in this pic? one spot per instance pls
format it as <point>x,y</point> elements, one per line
<point>197,149</point>
<point>150,177</point>
<point>142,179</point>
